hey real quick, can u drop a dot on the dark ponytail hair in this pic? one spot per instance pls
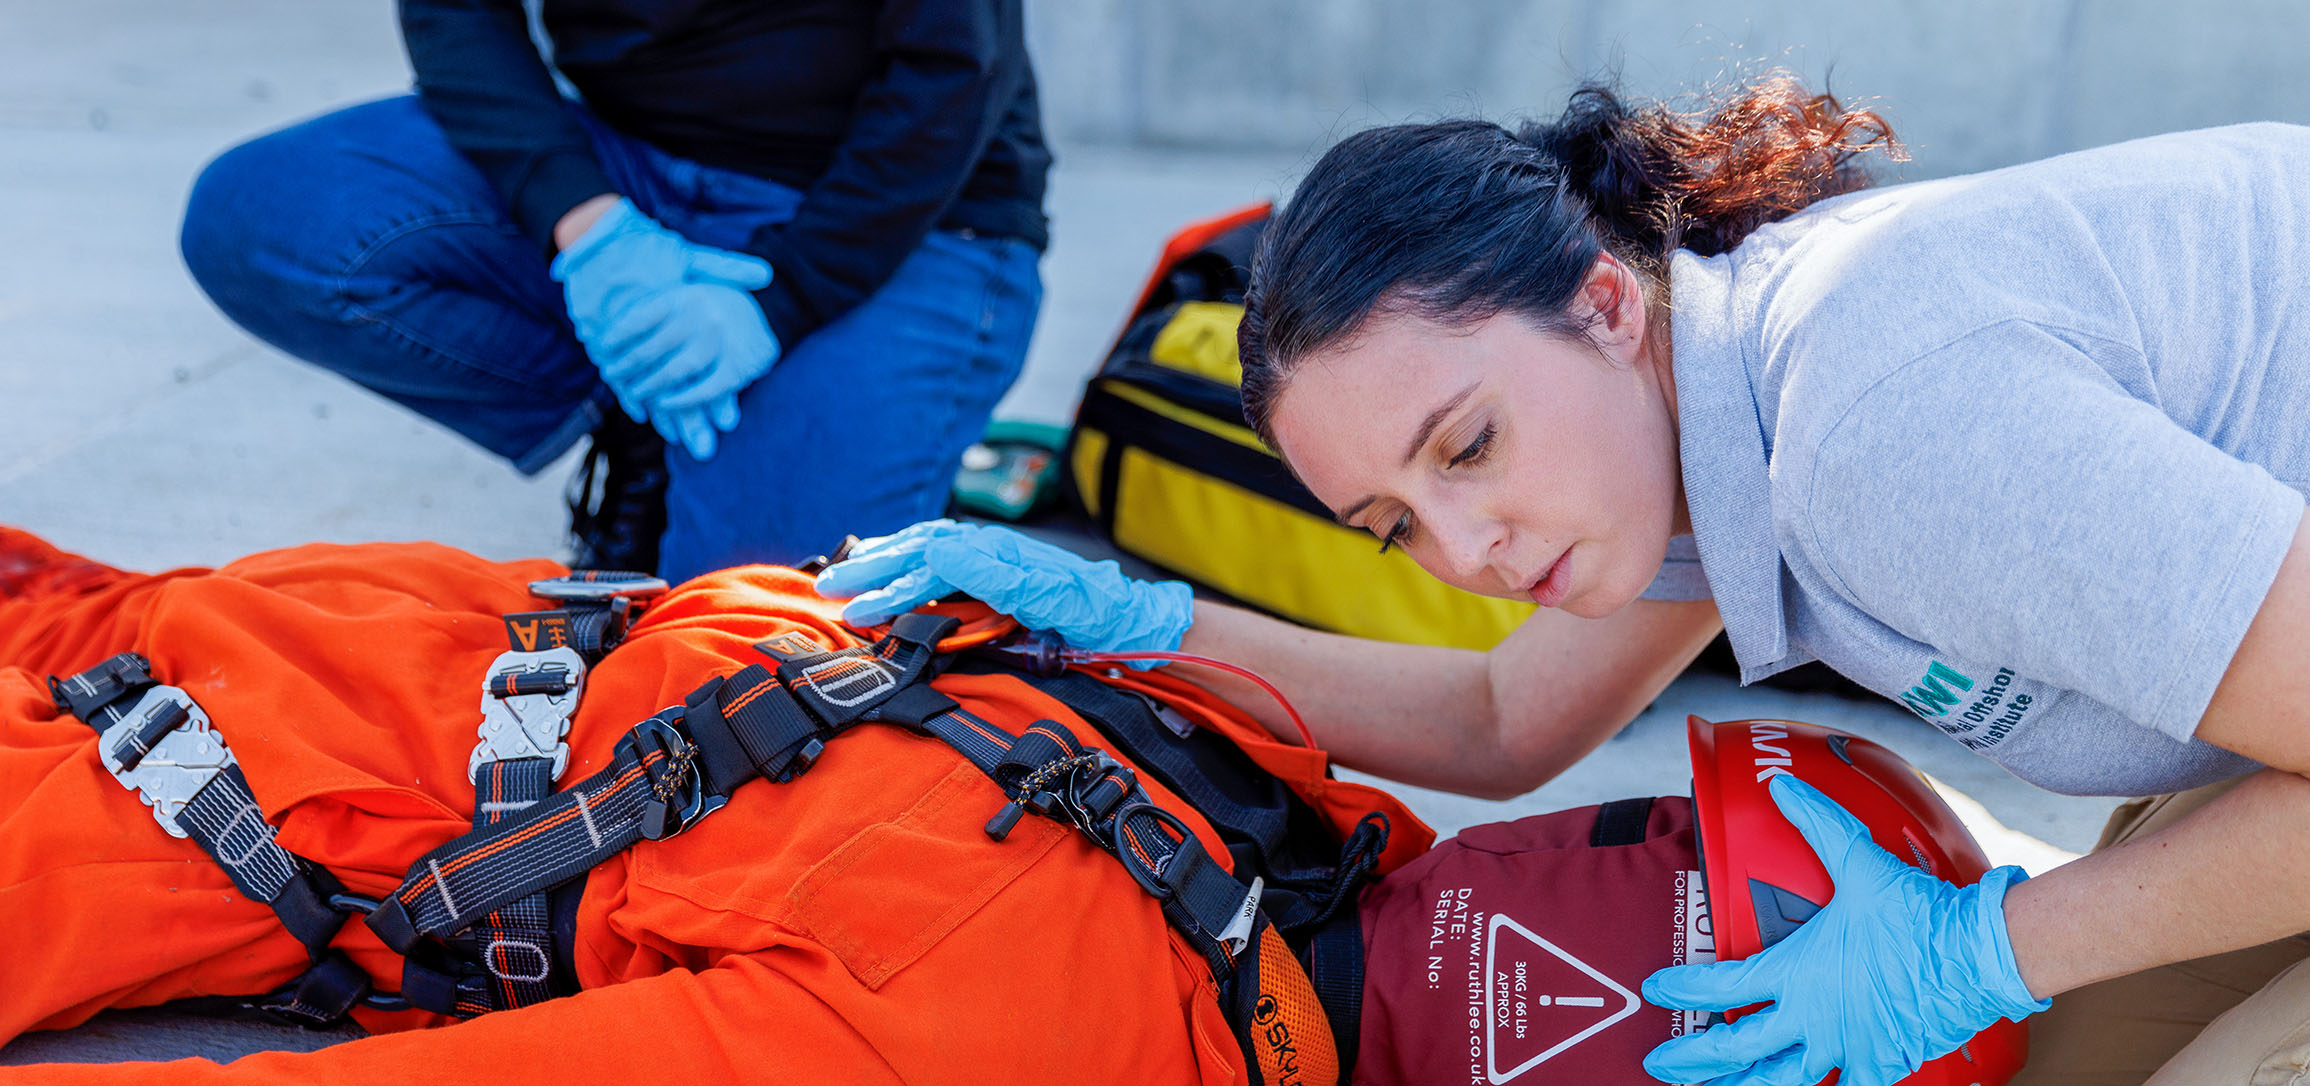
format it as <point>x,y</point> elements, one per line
<point>1462,220</point>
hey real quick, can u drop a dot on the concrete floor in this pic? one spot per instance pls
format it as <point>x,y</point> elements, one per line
<point>141,428</point>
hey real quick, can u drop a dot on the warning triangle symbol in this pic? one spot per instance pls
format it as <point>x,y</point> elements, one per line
<point>1539,1000</point>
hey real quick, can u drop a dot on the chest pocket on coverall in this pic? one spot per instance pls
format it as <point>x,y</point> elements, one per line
<point>813,862</point>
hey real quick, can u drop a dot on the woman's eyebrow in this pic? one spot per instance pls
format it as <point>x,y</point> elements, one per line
<point>1436,418</point>
<point>1419,438</point>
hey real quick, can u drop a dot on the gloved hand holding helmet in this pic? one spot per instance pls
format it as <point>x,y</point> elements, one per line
<point>671,324</point>
<point>1092,605</point>
<point>1515,953</point>
<point>1897,969</point>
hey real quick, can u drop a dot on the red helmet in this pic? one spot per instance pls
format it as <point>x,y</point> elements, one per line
<point>1763,879</point>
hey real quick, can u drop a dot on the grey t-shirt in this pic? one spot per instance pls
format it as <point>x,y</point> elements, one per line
<point>2022,450</point>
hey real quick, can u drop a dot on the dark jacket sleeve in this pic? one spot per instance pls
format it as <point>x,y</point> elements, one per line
<point>481,79</point>
<point>950,68</point>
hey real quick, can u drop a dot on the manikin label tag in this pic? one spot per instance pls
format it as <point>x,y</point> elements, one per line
<point>1238,933</point>
<point>1540,1001</point>
<point>1695,941</point>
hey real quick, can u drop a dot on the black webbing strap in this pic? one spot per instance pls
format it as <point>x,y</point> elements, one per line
<point>86,694</point>
<point>224,820</point>
<point>1621,822</point>
<point>683,763</point>
<point>1269,830</point>
<point>222,817</point>
<point>760,723</point>
<point>590,629</point>
<point>648,785</point>
<point>1335,968</point>
<point>839,688</point>
<point>505,960</point>
<point>1044,770</point>
<point>1310,891</point>
<point>597,606</point>
<point>320,996</point>
<point>512,943</point>
<point>668,771</point>
<point>748,726</point>
<point>1247,805</point>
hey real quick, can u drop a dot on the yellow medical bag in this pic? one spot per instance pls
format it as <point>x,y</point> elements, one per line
<point>1161,461</point>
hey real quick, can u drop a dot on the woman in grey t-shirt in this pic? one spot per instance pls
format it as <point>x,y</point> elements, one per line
<point>2022,450</point>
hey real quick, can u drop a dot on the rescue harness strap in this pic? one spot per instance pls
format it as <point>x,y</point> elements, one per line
<point>471,916</point>
<point>158,743</point>
<point>1043,770</point>
<point>683,763</point>
<point>1308,897</point>
<point>529,696</point>
<point>1314,907</point>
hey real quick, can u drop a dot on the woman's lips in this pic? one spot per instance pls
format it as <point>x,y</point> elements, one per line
<point>1550,590</point>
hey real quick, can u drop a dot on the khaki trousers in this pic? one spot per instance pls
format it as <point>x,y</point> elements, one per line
<point>2235,1019</point>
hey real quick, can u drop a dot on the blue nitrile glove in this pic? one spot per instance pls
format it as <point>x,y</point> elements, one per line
<point>1090,604</point>
<point>1898,968</point>
<point>671,324</point>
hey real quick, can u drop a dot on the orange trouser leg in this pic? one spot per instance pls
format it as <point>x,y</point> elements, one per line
<point>99,907</point>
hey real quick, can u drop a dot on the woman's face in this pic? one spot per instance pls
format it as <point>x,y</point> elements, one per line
<point>1508,461</point>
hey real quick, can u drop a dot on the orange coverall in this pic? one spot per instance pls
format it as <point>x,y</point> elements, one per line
<point>854,926</point>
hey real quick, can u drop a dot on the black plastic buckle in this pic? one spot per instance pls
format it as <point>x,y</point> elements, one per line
<point>678,795</point>
<point>1046,804</point>
<point>83,695</point>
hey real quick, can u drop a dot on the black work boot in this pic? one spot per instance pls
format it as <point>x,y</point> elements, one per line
<point>617,499</point>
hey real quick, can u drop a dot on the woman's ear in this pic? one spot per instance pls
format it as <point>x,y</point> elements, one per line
<point>1611,301</point>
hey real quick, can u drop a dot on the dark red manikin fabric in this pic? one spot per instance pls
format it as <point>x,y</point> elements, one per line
<point>1515,953</point>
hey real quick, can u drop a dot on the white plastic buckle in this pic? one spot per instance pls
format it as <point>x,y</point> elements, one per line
<point>528,725</point>
<point>179,764</point>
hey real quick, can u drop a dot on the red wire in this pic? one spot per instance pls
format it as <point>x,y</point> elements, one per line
<point>1306,737</point>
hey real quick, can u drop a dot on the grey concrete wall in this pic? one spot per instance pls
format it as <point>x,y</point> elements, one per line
<point>1968,84</point>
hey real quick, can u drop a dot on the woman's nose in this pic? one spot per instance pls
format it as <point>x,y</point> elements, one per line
<point>1466,548</point>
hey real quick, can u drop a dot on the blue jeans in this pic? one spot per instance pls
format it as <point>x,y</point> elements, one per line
<point>362,242</point>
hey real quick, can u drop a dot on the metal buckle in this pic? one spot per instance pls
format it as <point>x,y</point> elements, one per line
<point>663,818</point>
<point>1150,878</point>
<point>528,725</point>
<point>1082,784</point>
<point>573,589</point>
<point>180,763</point>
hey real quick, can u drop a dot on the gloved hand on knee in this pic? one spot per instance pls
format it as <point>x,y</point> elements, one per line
<point>1898,968</point>
<point>671,324</point>
<point>1090,604</point>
